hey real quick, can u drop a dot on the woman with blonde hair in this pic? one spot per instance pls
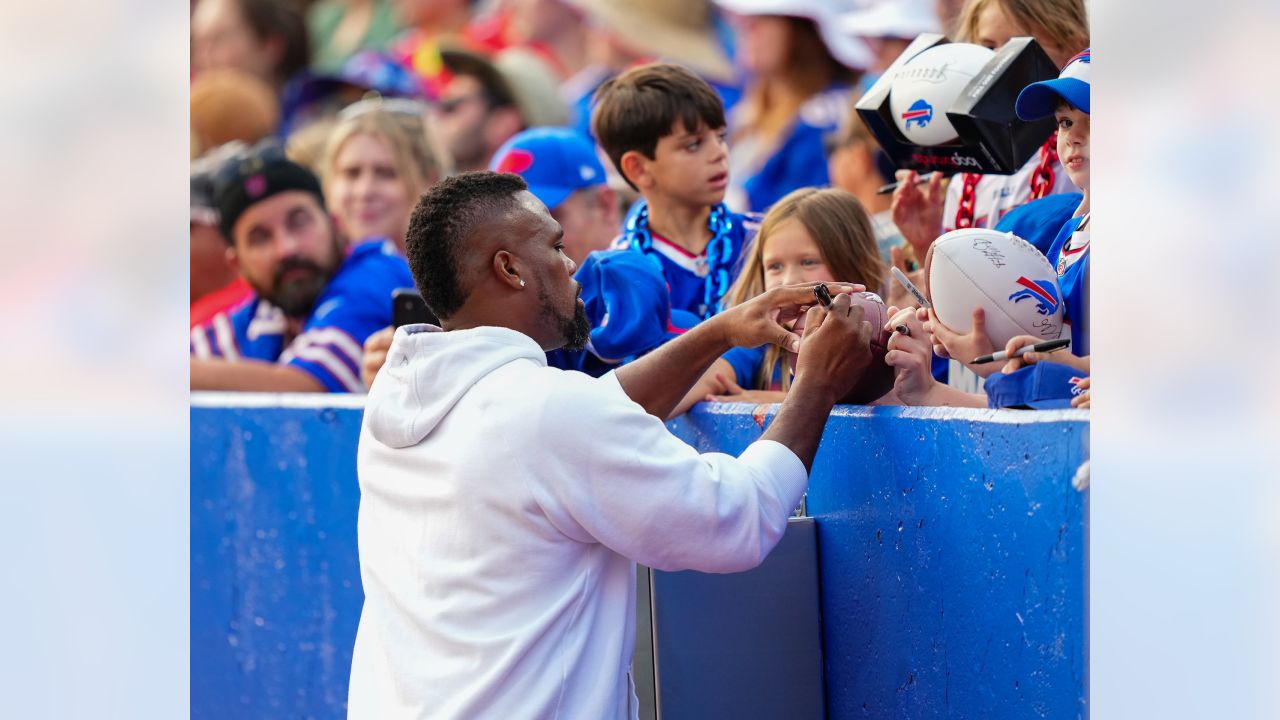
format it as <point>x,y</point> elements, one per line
<point>810,235</point>
<point>378,160</point>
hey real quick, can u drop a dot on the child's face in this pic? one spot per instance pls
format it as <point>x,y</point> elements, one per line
<point>692,167</point>
<point>791,256</point>
<point>1073,144</point>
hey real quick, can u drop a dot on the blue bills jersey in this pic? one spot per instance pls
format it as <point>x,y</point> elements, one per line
<point>355,304</point>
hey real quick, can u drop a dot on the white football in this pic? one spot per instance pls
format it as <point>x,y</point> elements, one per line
<point>927,86</point>
<point>1000,272</point>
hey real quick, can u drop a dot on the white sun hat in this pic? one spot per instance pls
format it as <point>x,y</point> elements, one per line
<point>851,51</point>
<point>892,18</point>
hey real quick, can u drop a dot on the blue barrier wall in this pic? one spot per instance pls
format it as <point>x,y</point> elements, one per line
<point>952,559</point>
<point>951,553</point>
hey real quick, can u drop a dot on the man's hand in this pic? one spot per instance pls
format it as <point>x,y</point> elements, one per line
<point>917,210</point>
<point>836,347</point>
<point>375,354</point>
<point>766,317</point>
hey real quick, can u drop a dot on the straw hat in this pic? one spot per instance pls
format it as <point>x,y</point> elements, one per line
<point>677,30</point>
<point>517,73</point>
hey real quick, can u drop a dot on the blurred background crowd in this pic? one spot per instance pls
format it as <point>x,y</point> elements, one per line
<point>380,99</point>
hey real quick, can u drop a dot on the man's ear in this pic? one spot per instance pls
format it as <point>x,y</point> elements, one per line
<point>233,259</point>
<point>506,269</point>
<point>607,203</point>
<point>635,167</point>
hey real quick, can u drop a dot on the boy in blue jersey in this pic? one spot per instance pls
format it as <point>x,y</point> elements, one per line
<point>313,303</point>
<point>664,130</point>
<point>1067,99</point>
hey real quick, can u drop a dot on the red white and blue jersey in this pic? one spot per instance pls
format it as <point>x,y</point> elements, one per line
<point>1072,263</point>
<point>355,304</point>
<point>685,272</point>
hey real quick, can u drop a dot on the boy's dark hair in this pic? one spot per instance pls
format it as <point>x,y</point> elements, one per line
<point>639,107</point>
<point>442,221</point>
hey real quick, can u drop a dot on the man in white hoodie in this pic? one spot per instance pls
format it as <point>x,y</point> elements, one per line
<point>505,503</point>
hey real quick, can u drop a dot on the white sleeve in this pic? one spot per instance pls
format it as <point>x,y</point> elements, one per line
<point>604,470</point>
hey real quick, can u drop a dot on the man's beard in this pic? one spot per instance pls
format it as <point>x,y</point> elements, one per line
<point>575,328</point>
<point>297,296</point>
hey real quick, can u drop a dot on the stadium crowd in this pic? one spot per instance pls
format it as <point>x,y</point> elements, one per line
<point>695,153</point>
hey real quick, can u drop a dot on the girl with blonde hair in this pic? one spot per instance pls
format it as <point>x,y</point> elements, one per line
<point>810,235</point>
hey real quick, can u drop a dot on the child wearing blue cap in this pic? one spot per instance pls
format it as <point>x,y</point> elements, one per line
<point>563,171</point>
<point>664,130</point>
<point>1067,98</point>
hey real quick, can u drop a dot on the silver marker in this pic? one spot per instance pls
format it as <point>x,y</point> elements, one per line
<point>901,277</point>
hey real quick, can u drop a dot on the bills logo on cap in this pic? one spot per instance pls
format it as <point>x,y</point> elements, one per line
<point>919,113</point>
<point>1077,67</point>
<point>516,161</point>
<point>1075,386</point>
<point>1042,292</point>
<point>255,185</point>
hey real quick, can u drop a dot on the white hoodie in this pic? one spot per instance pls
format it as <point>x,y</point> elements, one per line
<point>503,503</point>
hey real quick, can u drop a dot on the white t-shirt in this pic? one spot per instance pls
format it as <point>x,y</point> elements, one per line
<point>996,195</point>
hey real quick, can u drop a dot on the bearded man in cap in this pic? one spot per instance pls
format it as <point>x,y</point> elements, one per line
<point>315,300</point>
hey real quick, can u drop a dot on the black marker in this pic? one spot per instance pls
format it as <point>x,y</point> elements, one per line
<point>821,292</point>
<point>888,189</point>
<point>1047,346</point>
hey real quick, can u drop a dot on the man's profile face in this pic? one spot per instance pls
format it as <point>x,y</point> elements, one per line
<point>285,247</point>
<point>562,316</point>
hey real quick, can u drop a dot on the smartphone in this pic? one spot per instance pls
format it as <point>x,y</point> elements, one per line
<point>407,308</point>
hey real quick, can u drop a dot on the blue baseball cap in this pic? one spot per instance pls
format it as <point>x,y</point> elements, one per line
<point>1039,99</point>
<point>553,161</point>
<point>1042,386</point>
<point>629,304</point>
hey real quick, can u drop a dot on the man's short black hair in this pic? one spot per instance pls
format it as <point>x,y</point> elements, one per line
<point>440,226</point>
<point>639,107</point>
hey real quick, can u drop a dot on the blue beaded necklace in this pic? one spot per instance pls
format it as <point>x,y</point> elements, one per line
<point>719,252</point>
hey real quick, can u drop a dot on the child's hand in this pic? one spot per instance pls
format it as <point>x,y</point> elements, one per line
<point>917,210</point>
<point>1059,356</point>
<point>912,357</point>
<point>966,347</point>
<point>898,294</point>
<point>375,354</point>
<point>722,388</point>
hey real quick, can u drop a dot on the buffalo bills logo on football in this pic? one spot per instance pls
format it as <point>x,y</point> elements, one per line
<point>919,113</point>
<point>1042,292</point>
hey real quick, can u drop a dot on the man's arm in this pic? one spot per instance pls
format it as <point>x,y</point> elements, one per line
<point>252,376</point>
<point>660,380</point>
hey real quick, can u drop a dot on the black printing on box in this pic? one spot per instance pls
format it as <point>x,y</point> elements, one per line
<point>992,138</point>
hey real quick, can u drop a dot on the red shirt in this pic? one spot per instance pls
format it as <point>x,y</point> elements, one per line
<point>210,304</point>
